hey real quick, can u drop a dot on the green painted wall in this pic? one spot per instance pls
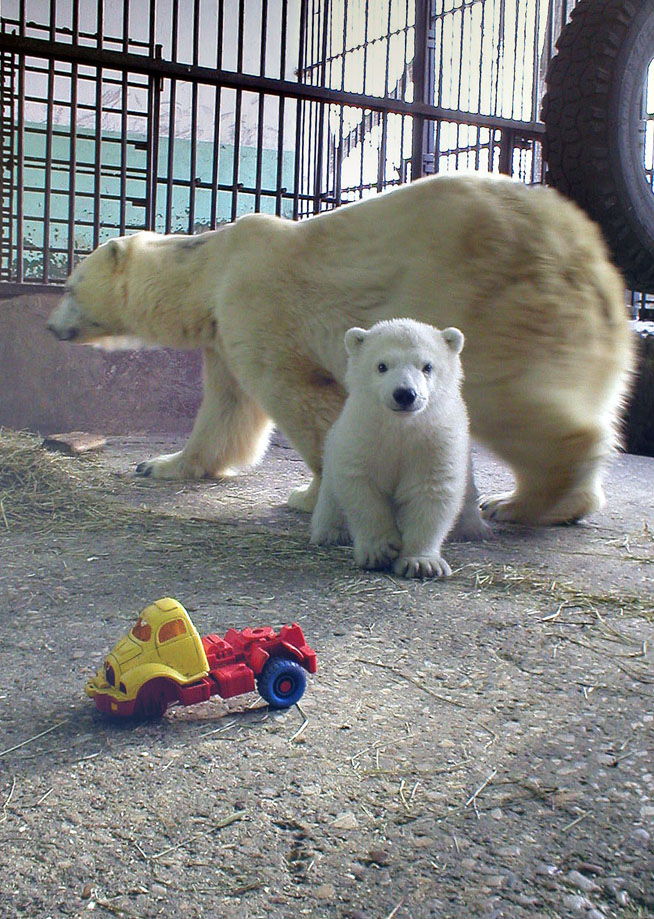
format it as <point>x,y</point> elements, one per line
<point>73,180</point>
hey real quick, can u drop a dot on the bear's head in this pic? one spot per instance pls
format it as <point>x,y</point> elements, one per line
<point>404,365</point>
<point>92,308</point>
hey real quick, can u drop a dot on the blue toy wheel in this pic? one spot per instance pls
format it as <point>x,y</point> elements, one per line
<point>282,682</point>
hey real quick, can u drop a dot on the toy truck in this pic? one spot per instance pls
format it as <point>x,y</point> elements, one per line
<point>162,661</point>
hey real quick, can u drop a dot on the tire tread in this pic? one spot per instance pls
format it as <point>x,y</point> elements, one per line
<point>575,111</point>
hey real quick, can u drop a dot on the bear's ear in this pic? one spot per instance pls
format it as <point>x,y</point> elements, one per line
<point>454,339</point>
<point>115,248</point>
<point>354,339</point>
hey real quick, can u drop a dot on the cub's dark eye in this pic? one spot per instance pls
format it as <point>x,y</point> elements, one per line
<point>381,367</point>
<point>427,369</point>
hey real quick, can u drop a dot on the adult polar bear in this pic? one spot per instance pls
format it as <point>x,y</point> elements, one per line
<point>521,271</point>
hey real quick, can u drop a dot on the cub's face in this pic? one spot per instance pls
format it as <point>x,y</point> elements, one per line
<point>403,365</point>
<point>89,310</point>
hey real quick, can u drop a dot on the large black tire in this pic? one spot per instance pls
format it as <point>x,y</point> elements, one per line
<point>595,130</point>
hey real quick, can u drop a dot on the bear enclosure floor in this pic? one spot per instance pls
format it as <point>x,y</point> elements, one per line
<point>481,747</point>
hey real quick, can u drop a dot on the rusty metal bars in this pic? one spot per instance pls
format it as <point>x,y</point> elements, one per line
<point>7,91</point>
<point>171,125</point>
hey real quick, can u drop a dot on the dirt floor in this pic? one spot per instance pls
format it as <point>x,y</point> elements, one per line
<point>482,747</point>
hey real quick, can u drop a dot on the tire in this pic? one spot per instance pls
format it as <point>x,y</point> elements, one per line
<point>594,130</point>
<point>154,698</point>
<point>282,682</point>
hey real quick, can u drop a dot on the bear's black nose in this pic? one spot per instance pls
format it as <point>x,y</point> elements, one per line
<point>404,396</point>
<point>62,334</point>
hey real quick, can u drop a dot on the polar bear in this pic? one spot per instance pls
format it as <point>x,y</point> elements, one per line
<point>395,461</point>
<point>522,272</point>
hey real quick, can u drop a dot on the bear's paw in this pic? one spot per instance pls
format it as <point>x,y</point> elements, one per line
<point>333,535</point>
<point>421,566</point>
<point>181,465</point>
<point>470,526</point>
<point>304,497</point>
<point>378,552</point>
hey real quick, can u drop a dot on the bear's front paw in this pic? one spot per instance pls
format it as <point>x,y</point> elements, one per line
<point>470,526</point>
<point>421,566</point>
<point>171,466</point>
<point>379,552</point>
<point>304,497</point>
<point>330,535</point>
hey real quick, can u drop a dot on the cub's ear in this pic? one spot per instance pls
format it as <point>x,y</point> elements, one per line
<point>453,339</point>
<point>354,339</point>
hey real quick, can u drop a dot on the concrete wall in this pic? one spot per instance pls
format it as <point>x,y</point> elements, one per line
<point>49,386</point>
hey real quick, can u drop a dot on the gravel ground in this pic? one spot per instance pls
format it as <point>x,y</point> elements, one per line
<point>482,747</point>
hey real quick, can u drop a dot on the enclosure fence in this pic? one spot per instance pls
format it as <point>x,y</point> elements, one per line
<point>180,115</point>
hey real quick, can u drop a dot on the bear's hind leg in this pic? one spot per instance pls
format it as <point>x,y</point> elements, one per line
<point>230,431</point>
<point>558,480</point>
<point>470,526</point>
<point>328,524</point>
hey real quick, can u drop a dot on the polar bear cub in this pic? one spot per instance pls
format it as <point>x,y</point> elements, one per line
<point>395,461</point>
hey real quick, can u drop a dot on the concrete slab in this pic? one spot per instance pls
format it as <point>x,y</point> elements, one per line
<point>481,747</point>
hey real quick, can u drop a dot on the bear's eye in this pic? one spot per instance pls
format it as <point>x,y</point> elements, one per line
<point>381,367</point>
<point>427,369</point>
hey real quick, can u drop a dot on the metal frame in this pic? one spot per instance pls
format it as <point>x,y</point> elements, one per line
<point>307,92</point>
<point>7,93</point>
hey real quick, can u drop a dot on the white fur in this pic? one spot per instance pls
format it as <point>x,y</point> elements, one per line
<point>396,459</point>
<point>522,272</point>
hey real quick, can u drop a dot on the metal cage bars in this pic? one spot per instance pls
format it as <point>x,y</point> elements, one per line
<point>278,129</point>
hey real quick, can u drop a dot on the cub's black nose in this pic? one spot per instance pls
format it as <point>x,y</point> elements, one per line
<point>404,396</point>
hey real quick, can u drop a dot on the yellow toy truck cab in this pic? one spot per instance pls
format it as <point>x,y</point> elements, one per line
<point>163,646</point>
